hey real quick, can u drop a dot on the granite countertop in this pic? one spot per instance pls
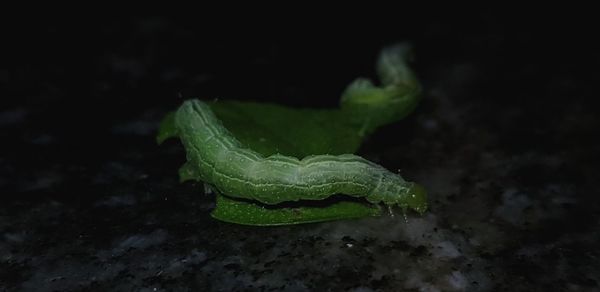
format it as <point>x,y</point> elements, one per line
<point>506,147</point>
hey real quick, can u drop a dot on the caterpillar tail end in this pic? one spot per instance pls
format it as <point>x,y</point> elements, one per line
<point>417,198</point>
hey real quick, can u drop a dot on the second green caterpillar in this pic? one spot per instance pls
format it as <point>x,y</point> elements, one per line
<point>219,159</point>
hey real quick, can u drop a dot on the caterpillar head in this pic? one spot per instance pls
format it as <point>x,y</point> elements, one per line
<point>416,198</point>
<point>394,191</point>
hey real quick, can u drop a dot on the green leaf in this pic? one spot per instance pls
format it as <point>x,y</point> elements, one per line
<point>373,106</point>
<point>167,128</point>
<point>249,213</point>
<point>270,129</point>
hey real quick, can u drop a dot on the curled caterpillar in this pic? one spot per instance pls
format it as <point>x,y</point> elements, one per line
<point>221,160</point>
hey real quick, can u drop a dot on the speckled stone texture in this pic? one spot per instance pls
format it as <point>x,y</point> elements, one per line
<point>505,141</point>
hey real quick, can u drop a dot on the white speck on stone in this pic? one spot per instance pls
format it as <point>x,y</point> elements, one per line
<point>118,201</point>
<point>513,205</point>
<point>142,241</point>
<point>457,281</point>
<point>446,249</point>
<point>361,289</point>
<point>415,281</point>
<point>180,265</point>
<point>418,228</point>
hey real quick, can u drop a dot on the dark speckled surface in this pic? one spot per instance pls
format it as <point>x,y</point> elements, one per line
<point>505,141</point>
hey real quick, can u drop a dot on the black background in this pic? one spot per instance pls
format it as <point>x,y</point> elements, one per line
<point>79,76</point>
<point>69,84</point>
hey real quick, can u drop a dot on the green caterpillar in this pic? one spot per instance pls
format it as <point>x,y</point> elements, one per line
<point>220,160</point>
